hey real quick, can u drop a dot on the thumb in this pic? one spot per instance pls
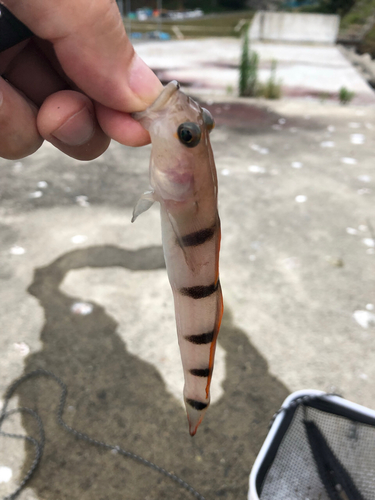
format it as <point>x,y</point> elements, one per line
<point>93,49</point>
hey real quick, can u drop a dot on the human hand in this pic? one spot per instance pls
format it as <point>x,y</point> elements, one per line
<point>75,83</point>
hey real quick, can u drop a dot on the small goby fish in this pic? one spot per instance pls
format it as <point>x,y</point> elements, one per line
<point>183,180</point>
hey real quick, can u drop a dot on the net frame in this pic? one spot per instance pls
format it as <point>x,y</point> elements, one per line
<point>330,404</point>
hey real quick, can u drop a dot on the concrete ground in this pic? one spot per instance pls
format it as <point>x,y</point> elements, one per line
<point>84,294</point>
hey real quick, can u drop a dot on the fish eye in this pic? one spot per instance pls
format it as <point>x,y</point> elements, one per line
<point>208,120</point>
<point>189,134</point>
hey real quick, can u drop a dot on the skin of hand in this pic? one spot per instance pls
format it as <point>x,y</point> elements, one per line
<point>75,83</point>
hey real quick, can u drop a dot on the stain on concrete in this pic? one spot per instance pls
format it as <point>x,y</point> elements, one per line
<point>115,397</point>
<point>252,118</point>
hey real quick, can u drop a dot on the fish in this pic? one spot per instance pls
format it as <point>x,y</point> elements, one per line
<point>183,179</point>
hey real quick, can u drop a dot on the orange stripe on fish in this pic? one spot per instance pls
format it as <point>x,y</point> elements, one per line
<point>213,345</point>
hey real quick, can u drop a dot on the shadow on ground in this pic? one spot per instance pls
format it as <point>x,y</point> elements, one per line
<point>118,398</point>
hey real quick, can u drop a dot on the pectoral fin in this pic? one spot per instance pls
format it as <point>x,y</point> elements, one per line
<point>179,239</point>
<point>143,204</point>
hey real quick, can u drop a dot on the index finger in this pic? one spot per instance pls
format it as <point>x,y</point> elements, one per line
<point>93,49</point>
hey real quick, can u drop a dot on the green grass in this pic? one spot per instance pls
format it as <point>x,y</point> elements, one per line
<point>248,67</point>
<point>368,43</point>
<point>353,22</point>
<point>272,88</point>
<point>345,95</point>
<point>209,25</point>
<point>358,14</point>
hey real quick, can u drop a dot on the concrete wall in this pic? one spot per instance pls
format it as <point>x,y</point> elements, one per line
<point>294,27</point>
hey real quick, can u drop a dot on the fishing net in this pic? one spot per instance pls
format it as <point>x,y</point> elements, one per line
<point>320,447</point>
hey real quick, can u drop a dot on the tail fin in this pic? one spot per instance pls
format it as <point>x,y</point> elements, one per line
<point>195,412</point>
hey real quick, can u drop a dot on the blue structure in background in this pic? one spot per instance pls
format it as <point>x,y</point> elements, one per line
<point>294,4</point>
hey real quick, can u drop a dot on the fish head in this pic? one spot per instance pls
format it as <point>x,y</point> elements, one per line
<point>179,130</point>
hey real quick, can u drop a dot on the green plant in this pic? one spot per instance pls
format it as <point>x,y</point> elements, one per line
<point>272,88</point>
<point>324,96</point>
<point>248,67</point>
<point>345,95</point>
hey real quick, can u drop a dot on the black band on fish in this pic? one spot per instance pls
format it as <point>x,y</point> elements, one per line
<point>203,338</point>
<point>200,372</point>
<point>197,405</point>
<point>199,292</point>
<point>198,238</point>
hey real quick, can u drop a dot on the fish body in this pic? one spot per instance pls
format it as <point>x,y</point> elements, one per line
<point>183,180</point>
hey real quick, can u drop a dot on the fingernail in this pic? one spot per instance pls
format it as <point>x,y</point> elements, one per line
<point>77,130</point>
<point>143,81</point>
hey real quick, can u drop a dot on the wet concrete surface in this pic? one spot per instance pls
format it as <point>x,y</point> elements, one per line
<point>297,262</point>
<point>109,398</point>
<point>303,70</point>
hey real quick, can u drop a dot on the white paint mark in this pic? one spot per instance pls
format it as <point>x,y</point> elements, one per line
<point>363,376</point>
<point>364,178</point>
<point>291,262</point>
<point>362,227</point>
<point>351,230</point>
<point>16,250</point>
<point>82,308</point>
<point>79,238</point>
<point>354,125</point>
<point>364,191</point>
<point>42,184</point>
<point>209,102</point>
<point>370,242</point>
<point>297,164</point>
<point>282,121</point>
<point>17,167</point>
<point>36,194</point>
<point>5,474</point>
<point>327,144</point>
<point>331,128</point>
<point>370,307</point>
<point>225,171</point>
<point>357,138</point>
<point>252,257</point>
<point>301,198</point>
<point>259,149</point>
<point>82,201</point>
<point>349,161</point>
<point>22,348</point>
<point>255,169</point>
<point>364,318</point>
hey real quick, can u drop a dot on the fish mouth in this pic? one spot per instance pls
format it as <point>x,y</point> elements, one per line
<point>160,101</point>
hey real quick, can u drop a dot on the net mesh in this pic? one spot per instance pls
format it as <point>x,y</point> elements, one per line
<point>294,475</point>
